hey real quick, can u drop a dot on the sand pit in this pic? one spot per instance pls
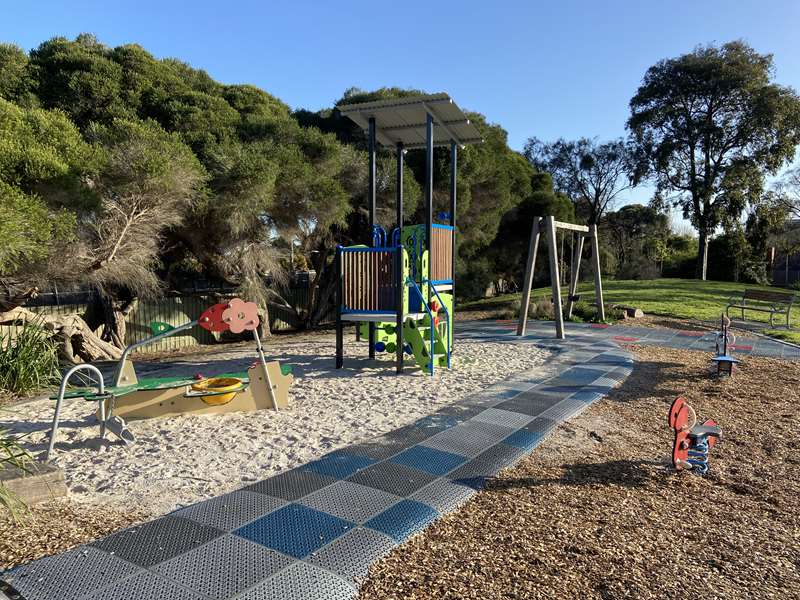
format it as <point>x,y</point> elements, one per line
<point>178,461</point>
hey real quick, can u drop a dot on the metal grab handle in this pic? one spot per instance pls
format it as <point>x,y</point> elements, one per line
<point>62,390</point>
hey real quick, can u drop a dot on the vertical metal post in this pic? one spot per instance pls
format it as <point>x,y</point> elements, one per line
<point>429,198</point>
<point>453,201</point>
<point>577,251</point>
<point>533,246</point>
<point>598,280</point>
<point>339,300</point>
<point>555,278</point>
<point>401,284</point>
<point>371,200</point>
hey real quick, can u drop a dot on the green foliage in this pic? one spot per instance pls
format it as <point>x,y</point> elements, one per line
<point>636,236</point>
<point>15,76</point>
<point>13,455</point>
<point>28,229</point>
<point>28,359</point>
<point>708,125</point>
<point>591,174</point>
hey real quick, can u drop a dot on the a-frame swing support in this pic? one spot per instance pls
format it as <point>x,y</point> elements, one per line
<point>548,226</point>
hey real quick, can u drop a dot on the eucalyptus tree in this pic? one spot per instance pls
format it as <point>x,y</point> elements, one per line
<point>708,126</point>
<point>592,174</point>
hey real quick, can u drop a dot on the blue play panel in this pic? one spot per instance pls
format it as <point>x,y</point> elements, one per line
<point>311,533</point>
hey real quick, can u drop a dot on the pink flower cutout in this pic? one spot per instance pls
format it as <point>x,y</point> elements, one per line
<point>241,316</point>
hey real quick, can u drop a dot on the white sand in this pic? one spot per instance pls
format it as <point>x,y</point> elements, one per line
<point>180,460</point>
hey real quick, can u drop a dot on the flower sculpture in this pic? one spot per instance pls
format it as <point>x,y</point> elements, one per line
<point>240,316</point>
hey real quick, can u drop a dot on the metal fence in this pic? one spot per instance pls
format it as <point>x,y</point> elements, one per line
<point>779,276</point>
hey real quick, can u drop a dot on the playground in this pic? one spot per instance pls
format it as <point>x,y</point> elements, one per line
<point>306,466</point>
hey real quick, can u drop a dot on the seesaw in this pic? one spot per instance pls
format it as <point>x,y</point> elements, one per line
<point>263,385</point>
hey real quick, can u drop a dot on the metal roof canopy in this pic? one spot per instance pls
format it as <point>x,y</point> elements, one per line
<point>405,124</point>
<point>404,121</point>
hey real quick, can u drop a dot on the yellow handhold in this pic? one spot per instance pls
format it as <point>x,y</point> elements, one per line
<point>218,385</point>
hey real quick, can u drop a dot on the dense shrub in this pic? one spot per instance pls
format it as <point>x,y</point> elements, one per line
<point>29,360</point>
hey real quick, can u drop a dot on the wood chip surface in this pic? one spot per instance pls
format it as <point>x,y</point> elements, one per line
<point>595,511</point>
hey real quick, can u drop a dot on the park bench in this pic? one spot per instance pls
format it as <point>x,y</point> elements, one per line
<point>774,303</point>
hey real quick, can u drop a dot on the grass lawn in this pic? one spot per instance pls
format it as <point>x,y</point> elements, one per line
<point>680,298</point>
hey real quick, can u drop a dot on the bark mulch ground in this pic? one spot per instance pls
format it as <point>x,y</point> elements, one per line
<point>595,512</point>
<point>56,527</point>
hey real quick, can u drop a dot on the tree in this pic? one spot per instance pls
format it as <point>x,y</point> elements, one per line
<point>787,192</point>
<point>638,236</point>
<point>592,174</point>
<point>43,163</point>
<point>707,126</point>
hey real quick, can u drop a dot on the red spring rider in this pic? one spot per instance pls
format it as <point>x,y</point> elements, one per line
<point>692,441</point>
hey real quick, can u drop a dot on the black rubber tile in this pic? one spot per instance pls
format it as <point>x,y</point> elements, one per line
<point>292,485</point>
<point>392,478</point>
<point>154,542</point>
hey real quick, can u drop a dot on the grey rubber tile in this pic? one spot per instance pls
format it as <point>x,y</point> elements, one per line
<point>291,485</point>
<point>231,511</point>
<point>351,555</point>
<point>223,567</point>
<point>392,478</point>
<point>350,501</point>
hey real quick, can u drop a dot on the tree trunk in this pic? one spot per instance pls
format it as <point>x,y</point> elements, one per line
<point>77,341</point>
<point>702,255</point>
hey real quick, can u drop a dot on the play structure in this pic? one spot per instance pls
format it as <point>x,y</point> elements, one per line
<point>399,289</point>
<point>264,385</point>
<point>725,341</point>
<point>549,225</point>
<point>692,442</point>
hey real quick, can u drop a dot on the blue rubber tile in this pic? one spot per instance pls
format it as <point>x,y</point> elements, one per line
<point>339,464</point>
<point>223,567</point>
<point>350,501</point>
<point>156,541</point>
<point>403,519</point>
<point>301,581</point>
<point>430,460</point>
<point>527,440</point>
<point>295,530</point>
<point>291,485</point>
<point>399,480</point>
<point>70,575</point>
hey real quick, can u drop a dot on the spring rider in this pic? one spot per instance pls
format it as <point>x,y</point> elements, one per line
<point>725,339</point>
<point>692,441</point>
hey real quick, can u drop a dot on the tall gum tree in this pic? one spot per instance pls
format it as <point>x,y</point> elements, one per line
<point>708,126</point>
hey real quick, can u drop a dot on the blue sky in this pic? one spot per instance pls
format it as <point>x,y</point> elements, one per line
<point>549,69</point>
